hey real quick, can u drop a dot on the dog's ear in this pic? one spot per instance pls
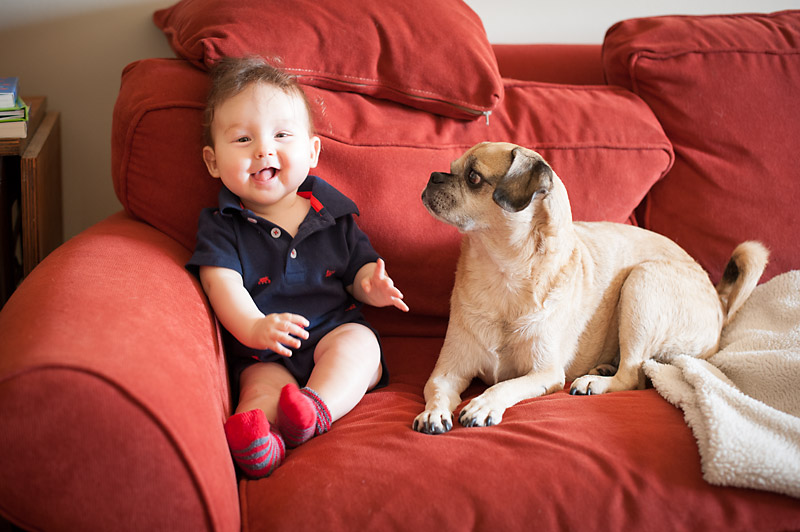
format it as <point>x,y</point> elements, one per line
<point>526,177</point>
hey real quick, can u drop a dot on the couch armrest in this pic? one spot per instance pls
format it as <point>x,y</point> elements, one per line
<point>113,391</point>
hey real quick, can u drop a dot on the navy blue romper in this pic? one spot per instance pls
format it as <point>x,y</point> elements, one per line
<point>304,275</point>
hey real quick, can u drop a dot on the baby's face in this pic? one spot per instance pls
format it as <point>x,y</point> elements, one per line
<point>262,148</point>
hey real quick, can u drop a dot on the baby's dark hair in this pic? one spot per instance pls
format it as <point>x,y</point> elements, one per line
<point>231,75</point>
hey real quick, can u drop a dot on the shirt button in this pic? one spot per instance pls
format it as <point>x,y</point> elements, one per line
<point>293,254</point>
<point>276,233</point>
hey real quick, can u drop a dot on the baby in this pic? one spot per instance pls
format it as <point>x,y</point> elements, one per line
<point>285,267</point>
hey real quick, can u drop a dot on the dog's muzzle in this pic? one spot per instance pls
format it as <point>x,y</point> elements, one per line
<point>436,197</point>
<point>438,178</point>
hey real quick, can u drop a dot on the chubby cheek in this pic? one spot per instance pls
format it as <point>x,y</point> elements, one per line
<point>234,166</point>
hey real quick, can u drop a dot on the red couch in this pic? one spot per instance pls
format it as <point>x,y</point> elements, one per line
<point>113,385</point>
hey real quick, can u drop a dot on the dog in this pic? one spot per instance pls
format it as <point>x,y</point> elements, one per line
<point>540,300</point>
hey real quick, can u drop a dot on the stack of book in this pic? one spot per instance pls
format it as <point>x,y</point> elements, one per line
<point>13,111</point>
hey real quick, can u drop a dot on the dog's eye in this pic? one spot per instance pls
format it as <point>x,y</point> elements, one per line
<point>474,178</point>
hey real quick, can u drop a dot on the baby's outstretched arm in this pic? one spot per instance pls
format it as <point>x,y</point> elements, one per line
<point>237,312</point>
<point>374,287</point>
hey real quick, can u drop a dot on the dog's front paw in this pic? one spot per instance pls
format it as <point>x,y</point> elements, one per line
<point>433,422</point>
<point>480,413</point>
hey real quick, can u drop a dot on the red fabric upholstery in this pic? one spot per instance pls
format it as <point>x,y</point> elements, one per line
<point>725,88</point>
<point>410,51</point>
<point>554,63</point>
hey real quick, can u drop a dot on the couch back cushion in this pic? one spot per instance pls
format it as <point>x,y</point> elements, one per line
<point>410,51</point>
<point>727,91</point>
<point>603,142</point>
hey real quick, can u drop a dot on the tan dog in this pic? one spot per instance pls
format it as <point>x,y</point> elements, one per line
<point>539,300</point>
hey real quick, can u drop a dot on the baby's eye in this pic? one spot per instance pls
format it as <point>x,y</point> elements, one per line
<point>243,139</point>
<point>282,135</point>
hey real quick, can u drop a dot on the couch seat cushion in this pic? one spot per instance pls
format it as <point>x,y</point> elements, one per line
<point>621,461</point>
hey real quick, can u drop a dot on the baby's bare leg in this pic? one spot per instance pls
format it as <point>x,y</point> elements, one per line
<point>260,386</point>
<point>347,363</point>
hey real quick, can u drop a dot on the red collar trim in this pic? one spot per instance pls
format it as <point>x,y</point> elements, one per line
<point>315,203</point>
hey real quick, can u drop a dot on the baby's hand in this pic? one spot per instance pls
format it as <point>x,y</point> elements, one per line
<point>379,289</point>
<point>277,331</point>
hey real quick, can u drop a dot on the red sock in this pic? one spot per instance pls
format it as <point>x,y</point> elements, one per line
<point>323,415</point>
<point>301,415</point>
<point>256,449</point>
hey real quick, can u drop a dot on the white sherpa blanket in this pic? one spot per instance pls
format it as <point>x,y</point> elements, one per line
<point>743,403</point>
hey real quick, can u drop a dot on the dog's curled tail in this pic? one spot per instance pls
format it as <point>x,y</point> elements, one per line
<point>744,269</point>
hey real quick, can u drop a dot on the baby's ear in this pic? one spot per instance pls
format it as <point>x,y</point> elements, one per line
<point>316,147</point>
<point>210,158</point>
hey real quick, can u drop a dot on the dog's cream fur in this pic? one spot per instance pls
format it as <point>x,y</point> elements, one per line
<point>539,299</point>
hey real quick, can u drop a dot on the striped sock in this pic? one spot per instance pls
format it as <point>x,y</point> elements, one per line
<point>301,415</point>
<point>256,448</point>
<point>323,415</point>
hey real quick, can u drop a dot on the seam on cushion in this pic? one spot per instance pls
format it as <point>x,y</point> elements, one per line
<point>125,160</point>
<point>514,83</point>
<point>203,496</point>
<point>662,56</point>
<point>380,83</point>
<point>541,145</point>
<point>666,56</point>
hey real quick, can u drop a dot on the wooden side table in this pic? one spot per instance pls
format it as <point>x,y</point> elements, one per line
<point>31,223</point>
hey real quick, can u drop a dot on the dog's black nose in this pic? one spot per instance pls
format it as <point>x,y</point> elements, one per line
<point>437,178</point>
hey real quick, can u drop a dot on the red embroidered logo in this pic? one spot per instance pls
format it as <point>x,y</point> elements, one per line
<point>264,280</point>
<point>328,273</point>
<point>351,307</point>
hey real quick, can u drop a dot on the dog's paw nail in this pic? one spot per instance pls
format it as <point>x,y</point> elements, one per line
<point>447,425</point>
<point>489,421</point>
<point>589,391</point>
<point>573,391</point>
<point>415,425</point>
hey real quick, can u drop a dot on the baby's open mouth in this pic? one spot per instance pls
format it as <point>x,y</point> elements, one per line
<point>265,174</point>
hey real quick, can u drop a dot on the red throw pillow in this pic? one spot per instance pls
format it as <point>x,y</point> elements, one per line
<point>727,91</point>
<point>603,142</point>
<point>433,56</point>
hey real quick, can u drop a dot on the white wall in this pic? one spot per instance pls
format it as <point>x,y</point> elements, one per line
<point>73,51</point>
<point>586,21</point>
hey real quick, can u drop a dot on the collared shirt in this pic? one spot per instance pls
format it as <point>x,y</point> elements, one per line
<point>306,274</point>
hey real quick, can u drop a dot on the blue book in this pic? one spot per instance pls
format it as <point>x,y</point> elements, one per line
<point>8,92</point>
